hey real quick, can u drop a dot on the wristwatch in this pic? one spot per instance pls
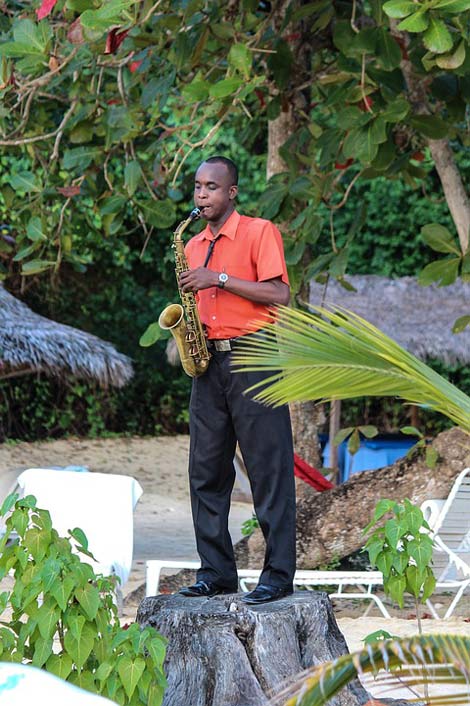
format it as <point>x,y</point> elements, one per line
<point>223,277</point>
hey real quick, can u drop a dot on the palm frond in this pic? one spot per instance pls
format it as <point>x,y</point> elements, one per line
<point>434,660</point>
<point>336,354</point>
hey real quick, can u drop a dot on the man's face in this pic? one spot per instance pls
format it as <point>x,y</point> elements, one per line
<point>213,190</point>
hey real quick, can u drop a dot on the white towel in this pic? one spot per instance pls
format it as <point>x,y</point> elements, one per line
<point>100,504</point>
<point>22,684</point>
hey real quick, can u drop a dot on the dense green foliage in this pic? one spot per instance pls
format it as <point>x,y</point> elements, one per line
<point>108,106</point>
<point>57,597</point>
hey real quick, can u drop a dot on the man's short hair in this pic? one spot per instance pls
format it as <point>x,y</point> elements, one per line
<point>231,166</point>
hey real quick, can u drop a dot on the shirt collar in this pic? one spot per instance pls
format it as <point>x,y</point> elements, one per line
<point>229,228</point>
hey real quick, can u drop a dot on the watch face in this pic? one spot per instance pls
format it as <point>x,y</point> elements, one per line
<point>223,277</point>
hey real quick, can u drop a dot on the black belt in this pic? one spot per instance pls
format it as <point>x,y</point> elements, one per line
<point>221,345</point>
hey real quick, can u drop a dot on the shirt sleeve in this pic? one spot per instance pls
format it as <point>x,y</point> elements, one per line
<point>270,261</point>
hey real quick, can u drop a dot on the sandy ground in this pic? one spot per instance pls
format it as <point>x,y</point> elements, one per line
<point>162,519</point>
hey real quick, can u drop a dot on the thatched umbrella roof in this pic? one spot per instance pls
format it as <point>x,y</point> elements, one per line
<point>32,343</point>
<point>419,318</point>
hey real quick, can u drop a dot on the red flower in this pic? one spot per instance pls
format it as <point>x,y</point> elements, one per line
<point>45,9</point>
<point>134,65</point>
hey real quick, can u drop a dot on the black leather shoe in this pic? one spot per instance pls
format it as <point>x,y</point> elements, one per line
<point>264,592</point>
<point>204,589</point>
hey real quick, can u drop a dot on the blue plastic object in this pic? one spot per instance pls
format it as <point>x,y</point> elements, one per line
<point>373,453</point>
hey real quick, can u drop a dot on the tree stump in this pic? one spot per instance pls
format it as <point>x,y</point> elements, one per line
<point>222,652</point>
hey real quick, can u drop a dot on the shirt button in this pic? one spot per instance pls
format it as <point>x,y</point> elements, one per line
<point>213,296</point>
<point>214,318</point>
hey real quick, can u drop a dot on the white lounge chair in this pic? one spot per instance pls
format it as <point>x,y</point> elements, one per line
<point>101,504</point>
<point>450,528</point>
<point>450,525</point>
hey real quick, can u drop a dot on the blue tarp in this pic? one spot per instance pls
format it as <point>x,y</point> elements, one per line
<point>373,453</point>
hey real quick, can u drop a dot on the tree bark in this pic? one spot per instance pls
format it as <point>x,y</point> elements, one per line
<point>329,524</point>
<point>441,151</point>
<point>224,653</point>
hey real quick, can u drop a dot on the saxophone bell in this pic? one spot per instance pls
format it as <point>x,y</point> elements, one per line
<point>182,320</point>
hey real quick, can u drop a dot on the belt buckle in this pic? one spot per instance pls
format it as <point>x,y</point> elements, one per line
<point>222,345</point>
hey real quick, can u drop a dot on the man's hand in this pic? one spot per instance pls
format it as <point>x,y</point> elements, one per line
<point>200,278</point>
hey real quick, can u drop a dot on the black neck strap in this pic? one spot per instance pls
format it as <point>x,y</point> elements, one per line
<point>209,250</point>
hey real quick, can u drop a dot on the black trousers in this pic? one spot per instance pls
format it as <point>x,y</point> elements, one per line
<point>221,414</point>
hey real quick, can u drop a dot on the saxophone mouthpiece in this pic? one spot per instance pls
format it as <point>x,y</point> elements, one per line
<point>195,213</point>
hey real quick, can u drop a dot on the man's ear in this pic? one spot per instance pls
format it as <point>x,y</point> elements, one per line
<point>233,191</point>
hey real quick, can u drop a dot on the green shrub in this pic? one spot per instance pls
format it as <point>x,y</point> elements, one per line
<point>63,616</point>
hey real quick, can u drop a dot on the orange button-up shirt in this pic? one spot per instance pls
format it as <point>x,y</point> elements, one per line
<point>246,248</point>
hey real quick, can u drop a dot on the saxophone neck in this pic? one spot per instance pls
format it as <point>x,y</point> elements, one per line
<point>193,216</point>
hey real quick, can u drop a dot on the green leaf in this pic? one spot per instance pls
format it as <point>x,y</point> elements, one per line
<point>109,14</point>
<point>452,6</point>
<point>195,91</point>
<point>452,60</point>
<point>132,176</point>
<point>399,8</point>
<point>387,51</point>
<point>61,590</point>
<point>160,214</point>
<point>33,267</point>
<point>417,22</point>
<point>411,431</point>
<point>400,562</point>
<point>439,238</point>
<point>354,442</point>
<point>369,431</point>
<point>444,272</point>
<point>437,37</point>
<point>428,586</point>
<point>393,532</point>
<point>241,58</point>
<point>374,548</point>
<point>151,335</point>
<point>80,650</point>
<point>42,651</point>
<point>384,562</point>
<point>396,110</point>
<point>271,200</point>
<point>341,435</point>
<point>80,536</point>
<point>8,503</point>
<point>47,619</point>
<point>421,551</point>
<point>79,158</point>
<point>157,650</point>
<point>224,88</point>
<point>430,125</point>
<point>25,181</point>
<point>414,580</point>
<point>130,671</point>
<point>395,587</point>
<point>37,541</point>
<point>89,599</point>
<point>459,325</point>
<point>103,671</point>
<point>431,457</point>
<point>34,229</point>
<point>60,665</point>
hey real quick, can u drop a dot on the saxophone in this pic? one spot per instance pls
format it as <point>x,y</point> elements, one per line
<point>188,334</point>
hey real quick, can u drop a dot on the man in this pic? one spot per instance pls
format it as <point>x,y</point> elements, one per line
<point>237,267</point>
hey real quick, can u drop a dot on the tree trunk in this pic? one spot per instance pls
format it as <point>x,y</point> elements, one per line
<point>224,653</point>
<point>305,416</point>
<point>452,184</point>
<point>329,524</point>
